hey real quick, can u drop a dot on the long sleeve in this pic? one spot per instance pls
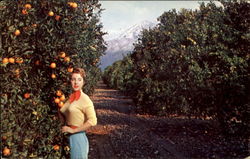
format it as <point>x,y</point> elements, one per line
<point>91,115</point>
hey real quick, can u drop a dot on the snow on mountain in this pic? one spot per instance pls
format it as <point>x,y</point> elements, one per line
<point>121,45</point>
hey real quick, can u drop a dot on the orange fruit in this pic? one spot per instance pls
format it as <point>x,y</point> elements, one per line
<point>59,93</point>
<point>6,151</point>
<point>11,60</point>
<point>70,69</point>
<point>53,75</point>
<point>66,59</point>
<point>57,100</point>
<point>51,14</point>
<point>24,12</point>
<point>17,32</point>
<point>4,137</point>
<point>37,62</point>
<point>62,54</point>
<point>57,17</point>
<point>60,105</point>
<point>56,147</point>
<point>27,6</point>
<point>34,25</point>
<point>70,3</point>
<point>53,65</point>
<point>17,71</point>
<point>19,60</point>
<point>5,60</point>
<point>62,98</point>
<point>74,5</point>
<point>26,95</point>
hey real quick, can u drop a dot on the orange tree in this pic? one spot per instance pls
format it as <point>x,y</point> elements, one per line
<point>40,43</point>
<point>119,75</point>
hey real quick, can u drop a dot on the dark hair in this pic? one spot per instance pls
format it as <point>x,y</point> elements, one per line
<point>80,71</point>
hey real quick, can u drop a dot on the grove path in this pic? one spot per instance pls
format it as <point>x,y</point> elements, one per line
<point>121,133</point>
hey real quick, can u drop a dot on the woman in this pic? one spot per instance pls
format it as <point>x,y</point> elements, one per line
<point>79,114</point>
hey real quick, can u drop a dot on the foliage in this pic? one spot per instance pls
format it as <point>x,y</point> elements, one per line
<point>194,63</point>
<point>45,39</point>
<point>119,75</point>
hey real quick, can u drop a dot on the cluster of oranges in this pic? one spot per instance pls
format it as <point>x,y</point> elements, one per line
<point>12,60</point>
<point>65,58</point>
<point>51,14</point>
<point>57,17</point>
<point>6,151</point>
<point>72,4</point>
<point>57,147</point>
<point>59,100</point>
<point>24,12</point>
<point>63,55</point>
<point>26,8</point>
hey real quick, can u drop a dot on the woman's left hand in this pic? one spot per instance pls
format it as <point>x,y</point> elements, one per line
<point>67,129</point>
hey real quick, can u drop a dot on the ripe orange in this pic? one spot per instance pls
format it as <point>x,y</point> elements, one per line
<point>34,25</point>
<point>6,151</point>
<point>19,60</point>
<point>70,3</point>
<point>57,17</point>
<point>5,60</point>
<point>11,60</point>
<point>57,100</point>
<point>59,93</point>
<point>27,6</point>
<point>17,32</point>
<point>53,75</point>
<point>51,14</point>
<point>56,147</point>
<point>62,54</point>
<point>53,65</point>
<point>26,95</point>
<point>66,59</point>
<point>70,69</point>
<point>62,98</point>
<point>60,105</point>
<point>24,12</point>
<point>4,138</point>
<point>37,62</point>
<point>17,71</point>
<point>74,5</point>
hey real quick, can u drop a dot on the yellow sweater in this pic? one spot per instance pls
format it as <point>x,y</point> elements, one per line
<point>80,111</point>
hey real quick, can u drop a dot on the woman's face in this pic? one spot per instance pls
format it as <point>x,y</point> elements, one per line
<point>76,81</point>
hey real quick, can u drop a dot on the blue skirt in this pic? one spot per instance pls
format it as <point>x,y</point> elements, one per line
<point>79,146</point>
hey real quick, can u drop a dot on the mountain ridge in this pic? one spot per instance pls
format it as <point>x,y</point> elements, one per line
<point>122,44</point>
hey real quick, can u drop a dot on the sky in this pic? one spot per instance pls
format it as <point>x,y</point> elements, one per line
<point>120,15</point>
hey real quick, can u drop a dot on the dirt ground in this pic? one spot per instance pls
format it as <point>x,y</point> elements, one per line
<point>123,134</point>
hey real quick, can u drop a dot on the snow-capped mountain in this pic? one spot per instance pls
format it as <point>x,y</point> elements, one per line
<point>122,44</point>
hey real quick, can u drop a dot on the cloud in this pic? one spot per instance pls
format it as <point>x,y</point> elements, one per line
<point>119,15</point>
